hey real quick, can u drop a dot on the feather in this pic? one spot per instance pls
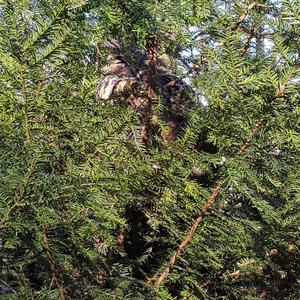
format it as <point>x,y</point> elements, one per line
<point>110,84</point>
<point>106,87</point>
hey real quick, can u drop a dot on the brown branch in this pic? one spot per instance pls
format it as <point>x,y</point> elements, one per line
<point>242,17</point>
<point>211,200</point>
<point>247,143</point>
<point>246,13</point>
<point>247,44</point>
<point>207,205</point>
<point>51,261</point>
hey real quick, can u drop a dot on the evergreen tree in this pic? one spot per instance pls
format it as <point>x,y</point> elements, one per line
<point>96,204</point>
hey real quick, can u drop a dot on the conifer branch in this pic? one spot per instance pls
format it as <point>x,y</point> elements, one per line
<point>210,201</point>
<point>16,204</point>
<point>25,98</point>
<point>248,41</point>
<point>20,67</point>
<point>52,264</point>
<point>242,17</point>
<point>207,205</point>
<point>20,198</point>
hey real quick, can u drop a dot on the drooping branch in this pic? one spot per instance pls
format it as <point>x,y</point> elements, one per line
<point>158,280</point>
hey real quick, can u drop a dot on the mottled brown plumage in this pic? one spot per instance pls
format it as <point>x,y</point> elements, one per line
<point>131,83</point>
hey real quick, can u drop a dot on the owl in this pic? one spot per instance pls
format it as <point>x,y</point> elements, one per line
<point>173,93</point>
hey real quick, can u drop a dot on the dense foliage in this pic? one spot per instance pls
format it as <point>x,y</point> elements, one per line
<point>89,210</point>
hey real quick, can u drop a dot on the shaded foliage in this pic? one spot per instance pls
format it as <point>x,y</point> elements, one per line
<point>87,211</point>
